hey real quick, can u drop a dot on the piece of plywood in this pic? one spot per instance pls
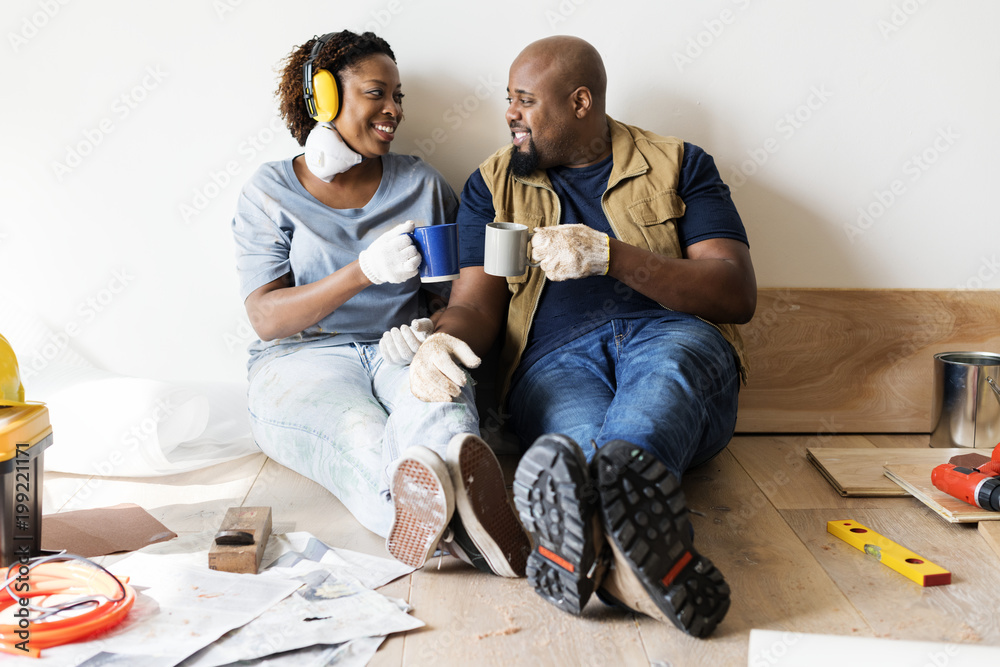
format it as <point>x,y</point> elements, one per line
<point>916,479</point>
<point>858,472</point>
<point>990,530</point>
<point>856,361</point>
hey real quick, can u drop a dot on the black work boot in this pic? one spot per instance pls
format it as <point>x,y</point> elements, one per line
<point>655,570</point>
<point>557,503</point>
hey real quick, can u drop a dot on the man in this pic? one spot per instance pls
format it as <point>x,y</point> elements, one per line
<point>622,360</point>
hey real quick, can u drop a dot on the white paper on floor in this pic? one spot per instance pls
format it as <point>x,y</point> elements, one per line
<point>286,549</point>
<point>355,653</point>
<point>310,597</point>
<point>179,609</point>
<point>331,607</point>
<point>791,649</point>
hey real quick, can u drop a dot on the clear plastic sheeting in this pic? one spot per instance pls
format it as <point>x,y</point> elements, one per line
<point>119,426</point>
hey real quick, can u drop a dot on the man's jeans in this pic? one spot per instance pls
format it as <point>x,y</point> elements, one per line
<point>668,384</point>
<point>341,416</point>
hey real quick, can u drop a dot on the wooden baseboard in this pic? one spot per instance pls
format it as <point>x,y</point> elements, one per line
<point>829,361</point>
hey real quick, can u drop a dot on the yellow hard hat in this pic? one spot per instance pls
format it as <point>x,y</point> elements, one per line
<point>11,388</point>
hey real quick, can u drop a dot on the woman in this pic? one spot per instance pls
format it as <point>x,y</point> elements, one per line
<point>325,267</point>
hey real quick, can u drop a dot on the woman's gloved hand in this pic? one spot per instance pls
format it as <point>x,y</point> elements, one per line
<point>565,252</point>
<point>392,257</point>
<point>434,374</point>
<point>399,344</point>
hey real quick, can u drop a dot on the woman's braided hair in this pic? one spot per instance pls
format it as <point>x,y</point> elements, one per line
<point>341,52</point>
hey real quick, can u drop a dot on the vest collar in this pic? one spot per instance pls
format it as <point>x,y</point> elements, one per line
<point>628,161</point>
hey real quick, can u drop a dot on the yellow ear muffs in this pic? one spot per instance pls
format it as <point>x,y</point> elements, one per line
<point>326,95</point>
<point>320,87</point>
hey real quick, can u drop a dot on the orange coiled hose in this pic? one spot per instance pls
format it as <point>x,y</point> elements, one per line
<point>29,586</point>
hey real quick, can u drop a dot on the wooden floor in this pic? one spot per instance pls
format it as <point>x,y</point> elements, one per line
<point>763,508</point>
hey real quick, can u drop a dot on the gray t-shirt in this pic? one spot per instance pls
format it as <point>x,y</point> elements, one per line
<point>280,228</point>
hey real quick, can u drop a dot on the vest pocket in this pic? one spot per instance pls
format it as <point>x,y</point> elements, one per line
<point>655,218</point>
<point>657,209</point>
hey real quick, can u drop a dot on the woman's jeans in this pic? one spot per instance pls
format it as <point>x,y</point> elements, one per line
<point>668,384</point>
<point>341,416</point>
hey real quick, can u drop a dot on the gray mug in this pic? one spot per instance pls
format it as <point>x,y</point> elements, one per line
<point>506,251</point>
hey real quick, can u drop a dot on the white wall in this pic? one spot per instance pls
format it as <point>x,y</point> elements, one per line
<point>129,127</point>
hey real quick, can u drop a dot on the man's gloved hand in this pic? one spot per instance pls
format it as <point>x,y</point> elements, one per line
<point>565,252</point>
<point>399,344</point>
<point>434,375</point>
<point>392,257</point>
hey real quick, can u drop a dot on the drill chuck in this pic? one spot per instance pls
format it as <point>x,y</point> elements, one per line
<point>988,494</point>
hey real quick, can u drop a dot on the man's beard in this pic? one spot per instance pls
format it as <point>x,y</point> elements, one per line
<point>522,162</point>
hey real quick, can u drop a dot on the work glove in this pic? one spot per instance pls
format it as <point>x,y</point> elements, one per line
<point>565,252</point>
<point>399,344</point>
<point>392,257</point>
<point>434,374</point>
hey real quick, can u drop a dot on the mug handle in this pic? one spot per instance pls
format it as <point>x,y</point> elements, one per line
<point>530,263</point>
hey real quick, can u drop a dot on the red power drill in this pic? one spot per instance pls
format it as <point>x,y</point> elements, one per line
<point>978,486</point>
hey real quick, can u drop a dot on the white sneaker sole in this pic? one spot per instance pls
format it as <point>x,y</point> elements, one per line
<point>423,502</point>
<point>482,503</point>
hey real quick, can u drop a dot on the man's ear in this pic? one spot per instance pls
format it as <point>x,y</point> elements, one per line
<point>582,100</point>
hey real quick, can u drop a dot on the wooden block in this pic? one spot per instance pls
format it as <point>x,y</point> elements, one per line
<point>917,480</point>
<point>990,530</point>
<point>859,472</point>
<point>243,559</point>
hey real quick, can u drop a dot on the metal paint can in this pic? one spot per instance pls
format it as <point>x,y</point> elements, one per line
<point>966,407</point>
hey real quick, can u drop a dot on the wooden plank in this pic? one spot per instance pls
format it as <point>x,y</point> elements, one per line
<point>916,479</point>
<point>776,583</point>
<point>894,606</point>
<point>779,466</point>
<point>856,360</point>
<point>241,558</point>
<point>990,530</point>
<point>858,472</point>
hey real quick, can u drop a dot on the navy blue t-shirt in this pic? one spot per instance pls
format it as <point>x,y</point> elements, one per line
<point>570,308</point>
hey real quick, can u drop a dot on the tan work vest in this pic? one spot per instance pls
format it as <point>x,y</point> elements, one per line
<point>641,204</point>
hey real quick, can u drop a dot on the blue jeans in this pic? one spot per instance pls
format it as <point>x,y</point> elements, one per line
<point>668,384</point>
<point>341,417</point>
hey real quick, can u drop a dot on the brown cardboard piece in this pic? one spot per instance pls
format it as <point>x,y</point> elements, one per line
<point>102,531</point>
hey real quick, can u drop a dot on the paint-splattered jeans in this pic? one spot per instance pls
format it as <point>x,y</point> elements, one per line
<point>340,416</point>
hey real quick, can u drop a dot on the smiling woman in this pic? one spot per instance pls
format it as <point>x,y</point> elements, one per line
<point>329,273</point>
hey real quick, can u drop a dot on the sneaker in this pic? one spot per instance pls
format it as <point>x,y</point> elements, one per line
<point>557,504</point>
<point>656,570</point>
<point>457,542</point>
<point>423,503</point>
<point>487,527</point>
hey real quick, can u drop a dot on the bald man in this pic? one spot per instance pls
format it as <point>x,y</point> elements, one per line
<point>622,359</point>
